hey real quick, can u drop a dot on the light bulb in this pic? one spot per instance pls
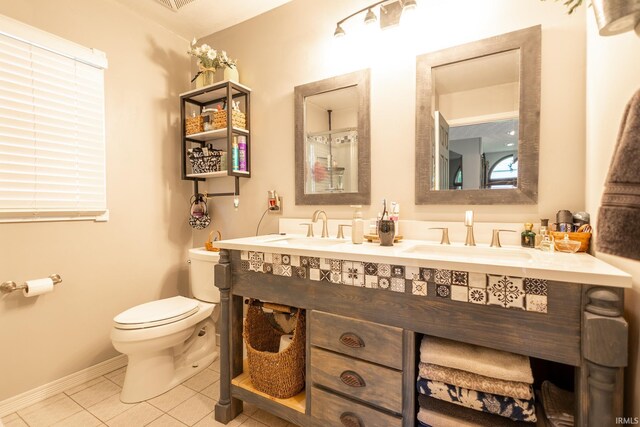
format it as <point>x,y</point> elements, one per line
<point>408,16</point>
<point>370,17</point>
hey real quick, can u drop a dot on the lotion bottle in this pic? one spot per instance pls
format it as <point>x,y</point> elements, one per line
<point>357,226</point>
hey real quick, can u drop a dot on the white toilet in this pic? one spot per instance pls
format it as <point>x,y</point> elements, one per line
<point>172,339</point>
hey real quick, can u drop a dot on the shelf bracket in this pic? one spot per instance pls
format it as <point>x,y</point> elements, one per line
<point>236,192</point>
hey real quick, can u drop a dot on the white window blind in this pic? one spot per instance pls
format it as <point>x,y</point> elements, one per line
<point>52,138</point>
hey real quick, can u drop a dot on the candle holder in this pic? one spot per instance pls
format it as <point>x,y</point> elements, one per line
<point>386,232</point>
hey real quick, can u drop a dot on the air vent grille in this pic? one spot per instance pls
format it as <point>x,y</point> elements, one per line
<point>182,3</point>
<point>174,5</point>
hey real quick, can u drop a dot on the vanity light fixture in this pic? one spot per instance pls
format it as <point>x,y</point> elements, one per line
<point>390,13</point>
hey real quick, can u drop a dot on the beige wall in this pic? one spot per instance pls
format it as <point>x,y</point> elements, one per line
<point>137,256</point>
<point>613,75</point>
<point>293,45</point>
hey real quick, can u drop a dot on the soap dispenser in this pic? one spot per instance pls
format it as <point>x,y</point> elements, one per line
<point>357,226</point>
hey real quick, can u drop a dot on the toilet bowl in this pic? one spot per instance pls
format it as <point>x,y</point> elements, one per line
<point>169,340</point>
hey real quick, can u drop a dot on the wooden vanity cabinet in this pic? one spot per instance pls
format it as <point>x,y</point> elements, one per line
<point>362,344</point>
<point>356,374</point>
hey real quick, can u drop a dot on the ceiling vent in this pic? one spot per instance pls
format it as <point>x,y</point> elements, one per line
<point>174,5</point>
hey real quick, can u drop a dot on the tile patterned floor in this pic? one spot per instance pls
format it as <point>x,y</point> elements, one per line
<point>97,403</point>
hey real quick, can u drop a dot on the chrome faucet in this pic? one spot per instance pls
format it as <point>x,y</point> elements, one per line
<point>316,216</point>
<point>468,222</point>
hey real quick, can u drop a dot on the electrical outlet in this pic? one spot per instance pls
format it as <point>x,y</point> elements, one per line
<point>277,209</point>
<point>274,202</point>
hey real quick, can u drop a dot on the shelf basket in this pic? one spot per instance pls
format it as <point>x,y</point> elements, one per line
<point>205,163</point>
<point>278,374</point>
<point>194,125</point>
<point>238,119</point>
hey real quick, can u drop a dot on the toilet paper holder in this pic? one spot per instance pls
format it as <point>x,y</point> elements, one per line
<point>7,287</point>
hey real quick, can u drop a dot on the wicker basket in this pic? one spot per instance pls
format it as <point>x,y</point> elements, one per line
<point>238,119</point>
<point>583,238</point>
<point>194,125</point>
<point>278,374</point>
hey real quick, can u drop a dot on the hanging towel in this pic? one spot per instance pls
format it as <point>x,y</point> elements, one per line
<point>619,216</point>
<point>438,413</point>
<point>508,407</point>
<point>479,360</point>
<point>475,382</point>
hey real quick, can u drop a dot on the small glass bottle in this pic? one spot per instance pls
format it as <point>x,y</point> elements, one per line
<point>544,229</point>
<point>528,237</point>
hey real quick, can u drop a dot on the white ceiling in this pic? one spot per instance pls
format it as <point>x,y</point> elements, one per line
<point>495,135</point>
<point>485,71</point>
<point>199,18</point>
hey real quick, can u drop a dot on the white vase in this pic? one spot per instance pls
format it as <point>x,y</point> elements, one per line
<point>231,74</point>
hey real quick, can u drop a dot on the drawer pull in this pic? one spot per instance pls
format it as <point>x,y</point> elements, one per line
<point>351,340</point>
<point>352,379</point>
<point>349,419</point>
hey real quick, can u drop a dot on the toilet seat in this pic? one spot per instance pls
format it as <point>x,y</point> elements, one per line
<point>156,313</point>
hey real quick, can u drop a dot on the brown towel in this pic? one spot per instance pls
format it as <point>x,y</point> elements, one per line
<point>619,216</point>
<point>439,413</point>
<point>558,404</point>
<point>477,382</point>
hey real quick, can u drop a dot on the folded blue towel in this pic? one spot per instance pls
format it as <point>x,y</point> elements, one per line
<point>509,407</point>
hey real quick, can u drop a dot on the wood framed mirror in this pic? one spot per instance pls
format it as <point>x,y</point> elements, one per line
<point>332,147</point>
<point>478,121</point>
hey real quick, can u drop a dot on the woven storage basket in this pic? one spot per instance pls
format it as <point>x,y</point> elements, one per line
<point>278,374</point>
<point>194,125</point>
<point>238,119</point>
<point>583,238</point>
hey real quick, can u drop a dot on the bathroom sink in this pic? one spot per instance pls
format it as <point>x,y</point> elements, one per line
<point>308,241</point>
<point>472,253</point>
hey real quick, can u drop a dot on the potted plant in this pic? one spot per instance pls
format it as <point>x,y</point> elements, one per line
<point>209,61</point>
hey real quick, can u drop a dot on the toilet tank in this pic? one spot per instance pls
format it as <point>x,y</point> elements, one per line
<point>201,276</point>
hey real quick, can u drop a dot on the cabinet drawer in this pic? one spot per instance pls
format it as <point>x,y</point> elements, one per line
<point>371,383</point>
<point>365,340</point>
<point>336,411</point>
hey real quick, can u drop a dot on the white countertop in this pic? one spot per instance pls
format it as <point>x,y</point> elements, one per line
<point>508,260</point>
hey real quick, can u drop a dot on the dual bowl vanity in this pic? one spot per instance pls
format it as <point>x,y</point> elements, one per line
<point>558,308</point>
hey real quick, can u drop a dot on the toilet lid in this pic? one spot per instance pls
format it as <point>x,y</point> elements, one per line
<point>156,313</point>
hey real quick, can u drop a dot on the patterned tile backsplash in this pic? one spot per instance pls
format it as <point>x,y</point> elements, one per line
<point>463,286</point>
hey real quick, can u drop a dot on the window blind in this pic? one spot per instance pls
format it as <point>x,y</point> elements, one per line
<point>52,138</point>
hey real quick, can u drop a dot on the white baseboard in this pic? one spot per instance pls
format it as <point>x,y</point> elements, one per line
<point>38,394</point>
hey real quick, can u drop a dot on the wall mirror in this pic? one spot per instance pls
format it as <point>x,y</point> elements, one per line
<point>477,121</point>
<point>332,141</point>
